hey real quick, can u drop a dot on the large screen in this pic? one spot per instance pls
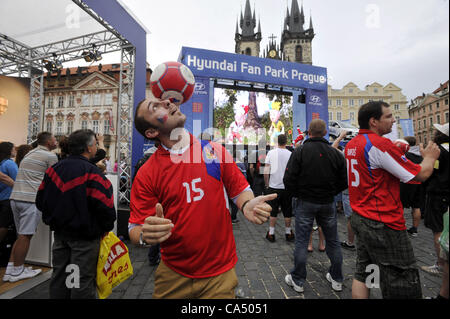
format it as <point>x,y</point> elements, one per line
<point>249,118</point>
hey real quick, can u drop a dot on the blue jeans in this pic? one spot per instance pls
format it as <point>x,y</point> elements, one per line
<point>325,215</point>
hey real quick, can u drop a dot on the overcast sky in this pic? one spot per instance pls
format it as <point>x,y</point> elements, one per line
<point>405,42</point>
<point>363,41</point>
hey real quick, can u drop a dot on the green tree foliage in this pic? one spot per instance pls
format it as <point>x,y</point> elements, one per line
<point>224,115</point>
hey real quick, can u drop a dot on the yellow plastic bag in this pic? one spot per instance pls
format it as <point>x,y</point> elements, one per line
<point>113,265</point>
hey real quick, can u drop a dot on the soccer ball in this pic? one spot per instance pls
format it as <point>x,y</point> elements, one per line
<point>174,81</point>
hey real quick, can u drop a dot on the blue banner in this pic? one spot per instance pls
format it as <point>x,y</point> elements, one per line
<point>407,127</point>
<point>222,65</point>
<point>316,105</point>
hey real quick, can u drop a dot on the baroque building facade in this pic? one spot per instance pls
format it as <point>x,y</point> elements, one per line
<point>429,109</point>
<point>343,104</point>
<point>84,98</point>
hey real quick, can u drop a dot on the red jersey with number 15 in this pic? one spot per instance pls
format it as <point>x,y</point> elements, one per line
<point>193,189</point>
<point>375,169</point>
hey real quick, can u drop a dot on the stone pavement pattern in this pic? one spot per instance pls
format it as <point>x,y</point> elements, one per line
<point>262,267</point>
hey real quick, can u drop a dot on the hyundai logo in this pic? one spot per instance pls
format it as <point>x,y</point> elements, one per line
<point>315,99</point>
<point>199,86</point>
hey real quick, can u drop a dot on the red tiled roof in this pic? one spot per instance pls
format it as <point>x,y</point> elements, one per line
<point>444,86</point>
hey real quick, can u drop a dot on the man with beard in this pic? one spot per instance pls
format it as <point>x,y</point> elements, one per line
<point>179,198</point>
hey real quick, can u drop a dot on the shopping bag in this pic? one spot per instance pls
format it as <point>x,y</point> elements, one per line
<point>443,239</point>
<point>113,265</point>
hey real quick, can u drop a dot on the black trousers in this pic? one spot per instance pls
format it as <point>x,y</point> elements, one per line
<point>74,268</point>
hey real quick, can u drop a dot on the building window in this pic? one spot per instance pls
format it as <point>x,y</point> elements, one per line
<point>50,102</point>
<point>49,126</point>
<point>85,100</point>
<point>298,53</point>
<point>330,116</point>
<point>438,119</point>
<point>396,107</point>
<point>108,99</point>
<point>424,123</point>
<point>446,117</point>
<point>446,102</point>
<point>361,102</point>
<point>97,99</point>
<point>350,90</point>
<point>71,100</point>
<point>351,102</point>
<point>248,51</point>
<point>60,101</point>
<point>339,116</point>
<point>437,105</point>
<point>338,102</point>
<point>84,125</point>
<point>418,122</point>
<point>431,108</point>
<point>431,121</point>
<point>397,119</point>
<point>106,127</point>
<point>352,116</point>
<point>69,127</point>
<point>330,102</point>
<point>95,126</point>
<point>59,128</point>
<point>375,90</point>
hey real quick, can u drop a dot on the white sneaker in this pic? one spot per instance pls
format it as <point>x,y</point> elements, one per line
<point>6,277</point>
<point>27,272</point>
<point>337,286</point>
<point>290,282</point>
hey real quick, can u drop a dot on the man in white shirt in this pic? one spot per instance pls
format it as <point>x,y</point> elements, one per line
<point>275,165</point>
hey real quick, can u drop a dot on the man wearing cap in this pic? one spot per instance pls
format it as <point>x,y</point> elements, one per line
<point>437,196</point>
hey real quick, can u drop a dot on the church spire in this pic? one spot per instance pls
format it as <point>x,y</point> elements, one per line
<point>248,22</point>
<point>296,19</point>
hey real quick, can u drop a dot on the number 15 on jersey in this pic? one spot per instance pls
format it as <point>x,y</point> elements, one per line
<point>353,175</point>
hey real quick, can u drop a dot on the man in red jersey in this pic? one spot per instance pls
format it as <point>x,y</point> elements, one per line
<point>179,198</point>
<point>375,169</point>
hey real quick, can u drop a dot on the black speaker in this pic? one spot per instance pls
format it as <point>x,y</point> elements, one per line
<point>302,98</point>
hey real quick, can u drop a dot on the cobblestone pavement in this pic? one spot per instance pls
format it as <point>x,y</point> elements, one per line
<point>262,267</point>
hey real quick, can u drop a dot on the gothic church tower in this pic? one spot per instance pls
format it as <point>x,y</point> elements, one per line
<point>296,41</point>
<point>248,42</point>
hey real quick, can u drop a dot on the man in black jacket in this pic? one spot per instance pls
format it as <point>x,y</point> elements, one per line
<point>77,202</point>
<point>316,173</point>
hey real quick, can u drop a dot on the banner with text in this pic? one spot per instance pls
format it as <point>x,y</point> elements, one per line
<point>222,65</point>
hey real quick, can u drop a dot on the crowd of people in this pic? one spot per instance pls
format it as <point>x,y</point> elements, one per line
<point>187,192</point>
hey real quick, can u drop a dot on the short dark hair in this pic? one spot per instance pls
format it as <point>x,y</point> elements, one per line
<point>282,140</point>
<point>317,128</point>
<point>367,111</point>
<point>140,123</point>
<point>21,151</point>
<point>79,141</point>
<point>6,150</point>
<point>43,138</point>
<point>411,140</point>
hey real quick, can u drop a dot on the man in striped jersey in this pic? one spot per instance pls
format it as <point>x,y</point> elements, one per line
<point>23,196</point>
<point>376,167</point>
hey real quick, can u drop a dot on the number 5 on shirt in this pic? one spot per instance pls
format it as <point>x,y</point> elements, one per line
<point>195,190</point>
<point>353,172</point>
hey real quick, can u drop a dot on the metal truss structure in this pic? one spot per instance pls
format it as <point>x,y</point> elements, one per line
<point>125,128</point>
<point>21,60</point>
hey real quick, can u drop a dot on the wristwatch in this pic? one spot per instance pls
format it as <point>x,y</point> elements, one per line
<point>141,240</point>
